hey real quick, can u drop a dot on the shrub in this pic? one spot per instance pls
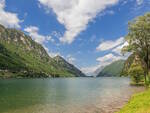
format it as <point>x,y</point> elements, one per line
<point>136,72</point>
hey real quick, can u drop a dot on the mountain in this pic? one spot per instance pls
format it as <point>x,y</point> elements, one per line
<point>114,69</point>
<point>20,56</point>
<point>98,70</point>
<point>67,66</point>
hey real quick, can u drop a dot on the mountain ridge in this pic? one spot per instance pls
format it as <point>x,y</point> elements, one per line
<point>20,54</point>
<point>112,70</point>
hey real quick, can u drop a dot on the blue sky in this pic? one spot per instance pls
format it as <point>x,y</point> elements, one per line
<point>87,33</point>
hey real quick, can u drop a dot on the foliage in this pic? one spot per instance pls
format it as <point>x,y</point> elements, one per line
<point>138,40</point>
<point>127,65</point>
<point>136,72</point>
<point>139,103</point>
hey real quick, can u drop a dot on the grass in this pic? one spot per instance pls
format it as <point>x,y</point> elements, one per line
<point>139,103</point>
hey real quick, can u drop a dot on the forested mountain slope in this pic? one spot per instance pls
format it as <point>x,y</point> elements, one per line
<point>23,57</point>
<point>114,69</point>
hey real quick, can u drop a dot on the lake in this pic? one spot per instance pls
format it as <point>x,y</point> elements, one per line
<point>64,95</point>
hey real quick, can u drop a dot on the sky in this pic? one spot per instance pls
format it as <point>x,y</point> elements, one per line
<point>87,33</point>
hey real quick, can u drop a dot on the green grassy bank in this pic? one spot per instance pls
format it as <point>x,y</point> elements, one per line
<point>139,103</point>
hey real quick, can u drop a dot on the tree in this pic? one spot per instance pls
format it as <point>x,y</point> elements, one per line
<point>138,40</point>
<point>136,72</point>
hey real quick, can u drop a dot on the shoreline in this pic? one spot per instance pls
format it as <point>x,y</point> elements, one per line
<point>125,102</point>
<point>116,105</point>
<point>113,106</point>
<point>138,103</point>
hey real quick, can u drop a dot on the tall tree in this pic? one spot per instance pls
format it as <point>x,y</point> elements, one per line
<point>138,39</point>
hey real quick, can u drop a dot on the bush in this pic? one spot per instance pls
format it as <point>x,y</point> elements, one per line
<point>136,72</point>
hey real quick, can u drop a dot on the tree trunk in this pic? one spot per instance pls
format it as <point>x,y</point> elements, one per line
<point>148,62</point>
<point>145,77</point>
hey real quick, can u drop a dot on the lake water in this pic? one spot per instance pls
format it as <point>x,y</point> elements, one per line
<point>64,95</point>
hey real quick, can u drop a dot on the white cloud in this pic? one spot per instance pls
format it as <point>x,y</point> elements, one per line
<point>8,19</point>
<point>76,14</point>
<point>109,58</point>
<point>50,53</point>
<point>33,32</point>
<point>90,70</point>
<point>70,59</point>
<point>139,2</point>
<point>53,54</point>
<point>115,47</point>
<point>117,50</point>
<point>110,44</point>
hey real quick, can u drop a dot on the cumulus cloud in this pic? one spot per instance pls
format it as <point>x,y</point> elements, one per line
<point>118,49</point>
<point>110,44</point>
<point>109,58</point>
<point>115,47</point>
<point>50,53</point>
<point>70,59</point>
<point>33,32</point>
<point>8,19</point>
<point>76,14</point>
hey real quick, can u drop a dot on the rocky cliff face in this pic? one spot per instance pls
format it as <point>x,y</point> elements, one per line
<point>18,38</point>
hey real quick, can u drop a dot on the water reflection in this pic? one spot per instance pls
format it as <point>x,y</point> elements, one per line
<point>61,95</point>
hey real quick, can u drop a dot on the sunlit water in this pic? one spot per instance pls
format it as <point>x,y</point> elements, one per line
<point>64,95</point>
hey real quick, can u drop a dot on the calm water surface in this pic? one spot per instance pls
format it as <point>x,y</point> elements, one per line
<point>63,95</point>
